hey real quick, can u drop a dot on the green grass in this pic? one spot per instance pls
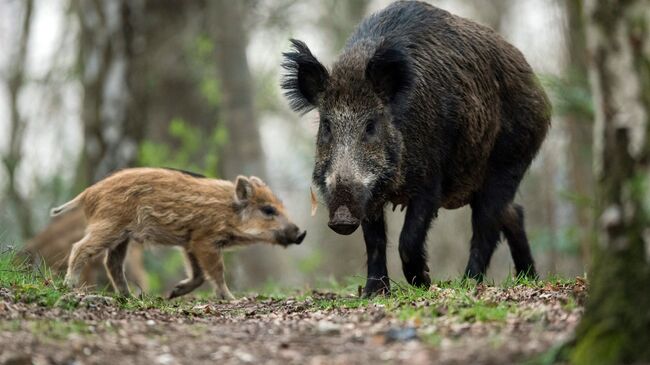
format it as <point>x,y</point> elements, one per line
<point>29,285</point>
<point>454,298</point>
<point>40,286</point>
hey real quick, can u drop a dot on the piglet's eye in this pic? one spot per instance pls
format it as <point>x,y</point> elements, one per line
<point>269,211</point>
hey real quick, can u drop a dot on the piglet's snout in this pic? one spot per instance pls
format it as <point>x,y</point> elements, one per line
<point>293,234</point>
<point>301,237</point>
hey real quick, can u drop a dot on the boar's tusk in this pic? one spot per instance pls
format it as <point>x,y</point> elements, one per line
<point>314,202</point>
<point>402,208</point>
<point>394,206</point>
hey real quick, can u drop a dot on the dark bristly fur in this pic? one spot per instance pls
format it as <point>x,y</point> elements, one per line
<point>302,95</point>
<point>427,110</point>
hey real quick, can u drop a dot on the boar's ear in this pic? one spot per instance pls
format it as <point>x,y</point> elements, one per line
<point>389,72</point>
<point>243,189</point>
<point>305,79</point>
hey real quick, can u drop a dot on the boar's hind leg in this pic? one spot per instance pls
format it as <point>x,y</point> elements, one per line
<point>412,240</point>
<point>194,280</point>
<point>490,208</point>
<point>513,229</point>
<point>114,263</point>
<point>374,233</point>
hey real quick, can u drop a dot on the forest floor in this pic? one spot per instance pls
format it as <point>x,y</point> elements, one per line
<point>450,323</point>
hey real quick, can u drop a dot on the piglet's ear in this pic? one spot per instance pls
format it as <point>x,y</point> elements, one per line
<point>389,72</point>
<point>305,78</point>
<point>257,181</point>
<point>243,189</point>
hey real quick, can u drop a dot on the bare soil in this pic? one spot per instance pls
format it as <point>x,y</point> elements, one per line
<point>295,331</point>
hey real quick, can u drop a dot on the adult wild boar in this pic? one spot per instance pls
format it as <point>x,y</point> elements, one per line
<point>428,110</point>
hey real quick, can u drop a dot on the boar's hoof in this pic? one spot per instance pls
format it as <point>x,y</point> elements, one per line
<point>378,288</point>
<point>343,222</point>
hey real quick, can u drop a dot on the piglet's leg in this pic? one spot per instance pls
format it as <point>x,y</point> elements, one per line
<point>211,260</point>
<point>194,280</point>
<point>97,240</point>
<point>114,263</point>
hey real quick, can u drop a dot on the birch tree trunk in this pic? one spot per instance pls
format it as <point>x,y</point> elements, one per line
<point>112,129</point>
<point>616,326</point>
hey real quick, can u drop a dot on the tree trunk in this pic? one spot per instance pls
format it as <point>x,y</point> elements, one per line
<point>170,76</point>
<point>112,130</point>
<point>13,157</point>
<point>242,153</point>
<point>579,127</point>
<point>616,326</point>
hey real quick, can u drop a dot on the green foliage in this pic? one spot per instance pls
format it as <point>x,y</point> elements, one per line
<point>195,151</point>
<point>570,95</point>
<point>565,240</point>
<point>202,57</point>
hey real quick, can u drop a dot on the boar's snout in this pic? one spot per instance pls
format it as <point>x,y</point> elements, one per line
<point>346,204</point>
<point>343,222</point>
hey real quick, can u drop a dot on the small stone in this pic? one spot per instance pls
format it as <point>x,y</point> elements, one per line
<point>244,356</point>
<point>328,328</point>
<point>401,334</point>
<point>165,359</point>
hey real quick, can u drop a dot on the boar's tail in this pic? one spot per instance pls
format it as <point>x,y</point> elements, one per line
<point>67,206</point>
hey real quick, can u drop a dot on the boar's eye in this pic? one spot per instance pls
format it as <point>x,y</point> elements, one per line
<point>371,128</point>
<point>269,211</point>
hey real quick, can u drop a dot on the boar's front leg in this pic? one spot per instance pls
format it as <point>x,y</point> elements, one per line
<point>412,240</point>
<point>374,233</point>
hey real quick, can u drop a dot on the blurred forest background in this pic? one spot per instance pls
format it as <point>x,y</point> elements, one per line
<point>87,87</point>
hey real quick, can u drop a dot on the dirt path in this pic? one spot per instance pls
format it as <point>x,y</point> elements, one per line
<point>509,325</point>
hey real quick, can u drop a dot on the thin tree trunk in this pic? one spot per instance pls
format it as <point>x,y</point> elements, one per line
<point>13,157</point>
<point>616,326</point>
<point>112,130</point>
